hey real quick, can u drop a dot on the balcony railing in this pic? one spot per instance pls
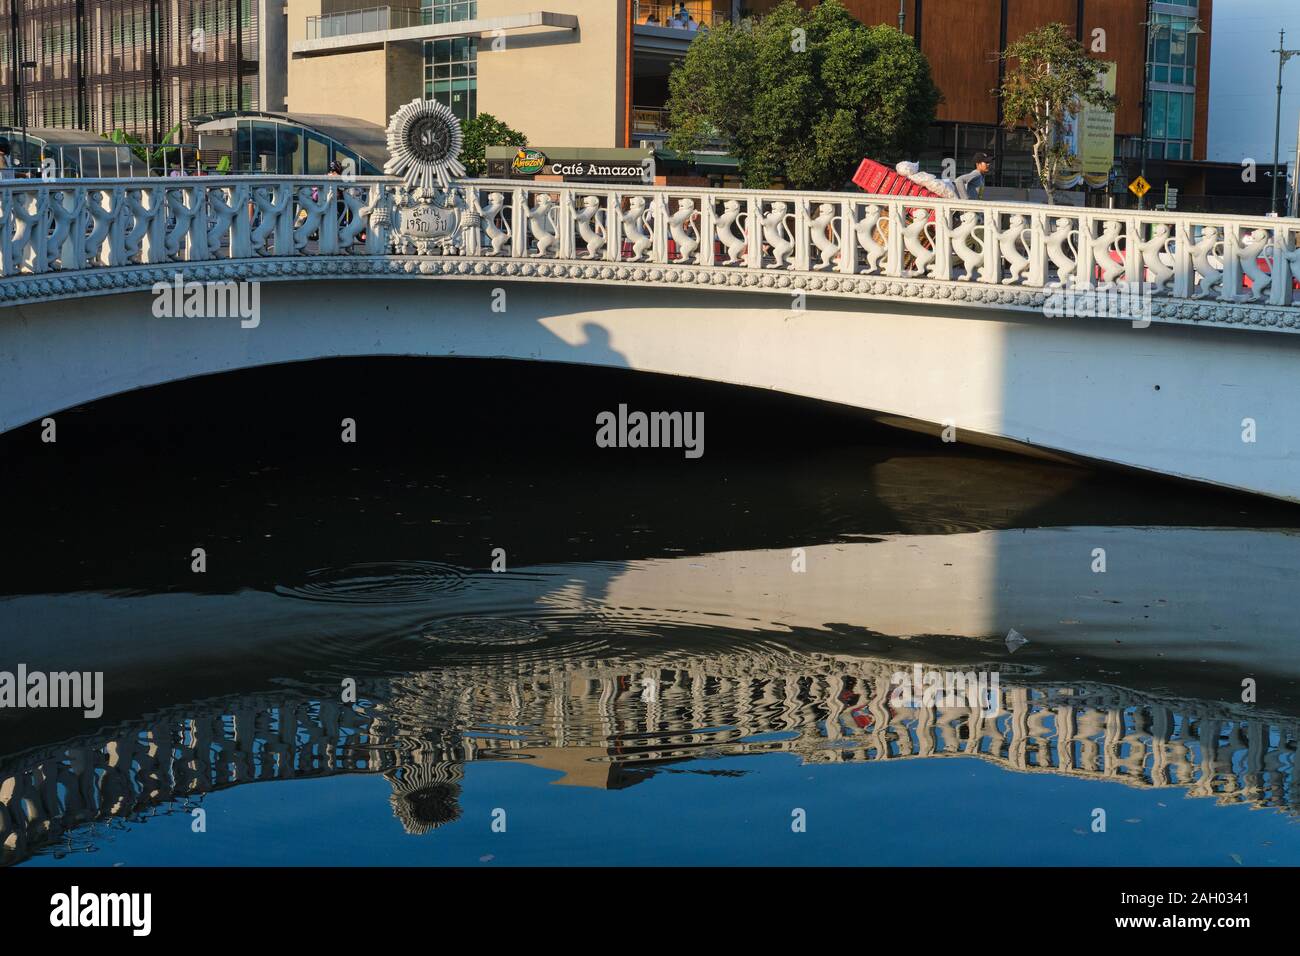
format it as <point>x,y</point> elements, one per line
<point>368,20</point>
<point>650,120</point>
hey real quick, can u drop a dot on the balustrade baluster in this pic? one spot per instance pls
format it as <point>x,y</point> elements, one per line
<point>991,273</point>
<point>1083,277</point>
<point>894,240</point>
<point>1231,287</point>
<point>848,256</point>
<point>754,227</point>
<point>519,223</point>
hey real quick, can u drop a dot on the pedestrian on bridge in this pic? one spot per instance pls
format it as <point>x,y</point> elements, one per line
<point>971,186</point>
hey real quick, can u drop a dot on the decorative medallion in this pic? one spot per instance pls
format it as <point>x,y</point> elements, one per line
<point>424,143</point>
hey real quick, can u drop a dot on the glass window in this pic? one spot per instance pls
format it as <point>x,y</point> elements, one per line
<point>1178,43</point>
<point>451,75</point>
<point>288,149</point>
<point>262,147</point>
<point>1174,116</point>
<point>1159,102</point>
<point>318,154</point>
<point>1172,47</point>
<point>1161,54</point>
<point>449,11</point>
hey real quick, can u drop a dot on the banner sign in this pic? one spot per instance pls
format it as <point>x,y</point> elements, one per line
<point>1097,135</point>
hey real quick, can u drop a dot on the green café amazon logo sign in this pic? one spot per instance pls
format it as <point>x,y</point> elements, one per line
<point>528,161</point>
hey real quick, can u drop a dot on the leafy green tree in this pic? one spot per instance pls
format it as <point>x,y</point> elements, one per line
<point>803,95</point>
<point>1049,77</point>
<point>481,132</point>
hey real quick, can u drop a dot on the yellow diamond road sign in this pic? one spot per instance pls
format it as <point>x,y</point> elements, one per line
<point>1140,187</point>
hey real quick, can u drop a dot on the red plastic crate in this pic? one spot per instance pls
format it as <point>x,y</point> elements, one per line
<point>872,177</point>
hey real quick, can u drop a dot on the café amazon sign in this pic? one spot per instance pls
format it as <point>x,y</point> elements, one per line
<point>528,162</point>
<point>572,164</point>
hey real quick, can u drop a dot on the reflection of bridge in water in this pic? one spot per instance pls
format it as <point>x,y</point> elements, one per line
<point>608,725</point>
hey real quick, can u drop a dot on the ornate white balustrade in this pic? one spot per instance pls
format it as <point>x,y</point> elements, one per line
<point>86,237</point>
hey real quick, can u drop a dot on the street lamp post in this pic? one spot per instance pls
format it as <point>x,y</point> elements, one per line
<point>1295,176</point>
<point>902,15</point>
<point>1146,97</point>
<point>25,65</point>
<point>1283,55</point>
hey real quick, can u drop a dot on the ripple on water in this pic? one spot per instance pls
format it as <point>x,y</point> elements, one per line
<point>387,582</point>
<point>483,631</point>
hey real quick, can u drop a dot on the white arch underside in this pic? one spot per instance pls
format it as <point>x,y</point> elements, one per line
<point>1081,387</point>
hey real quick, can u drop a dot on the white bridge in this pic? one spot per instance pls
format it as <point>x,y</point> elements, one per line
<point>1003,324</point>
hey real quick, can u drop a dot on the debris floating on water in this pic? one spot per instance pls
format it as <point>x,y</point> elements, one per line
<point>1014,640</point>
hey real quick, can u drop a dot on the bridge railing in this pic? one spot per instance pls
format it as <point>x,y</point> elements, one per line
<point>776,240</point>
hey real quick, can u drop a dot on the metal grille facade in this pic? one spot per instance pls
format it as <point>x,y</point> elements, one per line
<point>141,66</point>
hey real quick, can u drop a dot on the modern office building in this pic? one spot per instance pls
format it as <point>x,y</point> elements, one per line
<point>583,74</point>
<point>964,40</point>
<point>571,74</point>
<point>140,66</point>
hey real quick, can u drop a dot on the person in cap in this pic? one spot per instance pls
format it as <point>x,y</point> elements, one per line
<point>971,186</point>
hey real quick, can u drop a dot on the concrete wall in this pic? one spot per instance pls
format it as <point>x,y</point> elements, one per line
<point>1168,399</point>
<point>368,84</point>
<point>559,88</point>
<point>298,12</point>
<point>272,55</point>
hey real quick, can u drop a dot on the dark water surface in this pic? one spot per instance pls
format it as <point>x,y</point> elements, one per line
<point>650,679</point>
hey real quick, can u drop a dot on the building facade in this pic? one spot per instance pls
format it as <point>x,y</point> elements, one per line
<point>964,40</point>
<point>571,73</point>
<point>557,71</point>
<point>139,66</point>
<point>606,77</point>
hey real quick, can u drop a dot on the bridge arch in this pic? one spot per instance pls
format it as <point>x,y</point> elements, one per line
<point>1168,398</point>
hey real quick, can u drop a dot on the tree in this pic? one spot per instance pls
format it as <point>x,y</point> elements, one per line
<point>1052,78</point>
<point>481,132</point>
<point>803,95</point>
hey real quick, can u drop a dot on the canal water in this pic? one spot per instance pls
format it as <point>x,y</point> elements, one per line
<point>473,637</point>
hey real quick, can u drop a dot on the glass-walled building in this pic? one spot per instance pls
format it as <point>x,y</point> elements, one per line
<point>1171,54</point>
<point>290,145</point>
<point>451,65</point>
<point>129,65</point>
<point>962,41</point>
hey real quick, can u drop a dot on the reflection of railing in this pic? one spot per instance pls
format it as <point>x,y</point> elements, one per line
<point>364,21</point>
<point>1182,267</point>
<point>96,161</point>
<point>418,729</point>
<point>35,158</point>
<point>702,12</point>
<point>649,119</point>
